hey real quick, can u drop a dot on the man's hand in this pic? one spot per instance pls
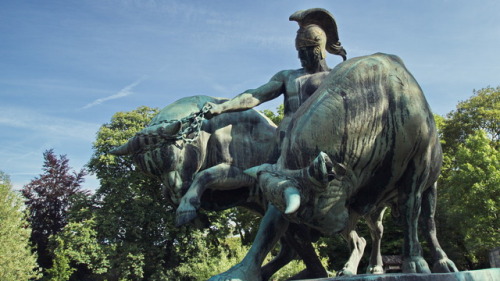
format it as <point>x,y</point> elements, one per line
<point>213,110</point>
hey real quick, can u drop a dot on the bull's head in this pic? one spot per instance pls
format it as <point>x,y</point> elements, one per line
<point>289,189</point>
<point>148,137</point>
<point>157,151</point>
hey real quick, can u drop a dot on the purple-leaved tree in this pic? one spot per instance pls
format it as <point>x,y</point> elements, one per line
<point>48,198</point>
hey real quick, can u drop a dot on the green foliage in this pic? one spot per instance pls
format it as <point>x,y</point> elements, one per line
<point>77,247</point>
<point>275,117</point>
<point>469,186</point>
<point>291,269</point>
<point>17,262</point>
<point>207,262</point>
<point>123,126</point>
<point>61,269</point>
<point>131,215</point>
<point>134,220</point>
<point>481,111</point>
<point>297,265</point>
<point>469,201</point>
<point>246,224</point>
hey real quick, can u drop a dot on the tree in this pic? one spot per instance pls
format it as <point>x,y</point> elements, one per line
<point>481,111</point>
<point>469,185</point>
<point>134,219</point>
<point>17,261</point>
<point>78,253</point>
<point>48,198</point>
<point>470,201</point>
<point>277,116</point>
<point>130,213</point>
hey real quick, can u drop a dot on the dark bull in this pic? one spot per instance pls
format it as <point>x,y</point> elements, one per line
<point>365,139</point>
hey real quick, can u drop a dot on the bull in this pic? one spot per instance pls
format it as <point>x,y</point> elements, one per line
<point>364,140</point>
<point>201,163</point>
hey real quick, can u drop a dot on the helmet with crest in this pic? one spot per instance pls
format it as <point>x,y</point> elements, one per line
<point>318,28</point>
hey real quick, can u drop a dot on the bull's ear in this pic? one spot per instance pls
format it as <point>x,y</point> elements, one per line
<point>325,170</point>
<point>320,169</point>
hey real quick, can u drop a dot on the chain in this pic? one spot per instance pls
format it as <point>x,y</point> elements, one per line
<point>191,125</point>
<point>195,121</point>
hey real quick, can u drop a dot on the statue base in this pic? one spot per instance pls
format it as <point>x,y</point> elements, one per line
<point>492,274</point>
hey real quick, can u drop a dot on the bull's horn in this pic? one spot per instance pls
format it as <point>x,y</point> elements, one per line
<point>127,148</point>
<point>121,150</point>
<point>165,130</point>
<point>172,128</point>
<point>292,199</point>
<point>254,171</point>
<point>135,142</point>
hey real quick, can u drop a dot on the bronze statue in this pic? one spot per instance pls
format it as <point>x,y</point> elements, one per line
<point>216,167</point>
<point>188,153</point>
<point>354,140</point>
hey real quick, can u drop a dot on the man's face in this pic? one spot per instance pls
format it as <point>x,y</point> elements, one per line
<point>309,57</point>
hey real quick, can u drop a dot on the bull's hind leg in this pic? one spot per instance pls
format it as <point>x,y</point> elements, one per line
<point>410,201</point>
<point>442,263</point>
<point>375,223</point>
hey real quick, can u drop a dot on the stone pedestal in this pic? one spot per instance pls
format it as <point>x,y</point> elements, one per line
<point>492,274</point>
<point>495,257</point>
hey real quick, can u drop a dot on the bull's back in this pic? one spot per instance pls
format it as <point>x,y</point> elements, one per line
<point>242,139</point>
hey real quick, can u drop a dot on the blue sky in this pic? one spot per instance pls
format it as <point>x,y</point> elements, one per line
<point>67,66</point>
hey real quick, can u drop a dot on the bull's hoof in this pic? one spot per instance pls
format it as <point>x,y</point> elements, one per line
<point>415,265</point>
<point>184,214</point>
<point>375,269</point>
<point>238,273</point>
<point>345,272</point>
<point>444,265</point>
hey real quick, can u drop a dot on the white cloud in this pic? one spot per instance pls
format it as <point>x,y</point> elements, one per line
<point>126,91</point>
<point>26,134</point>
<point>46,125</point>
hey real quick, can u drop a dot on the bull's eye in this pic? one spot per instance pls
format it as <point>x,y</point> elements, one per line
<point>331,176</point>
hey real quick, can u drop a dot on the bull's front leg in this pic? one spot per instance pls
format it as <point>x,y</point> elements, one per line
<point>271,228</point>
<point>356,244</point>
<point>222,176</point>
<point>299,237</point>
<point>285,255</point>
